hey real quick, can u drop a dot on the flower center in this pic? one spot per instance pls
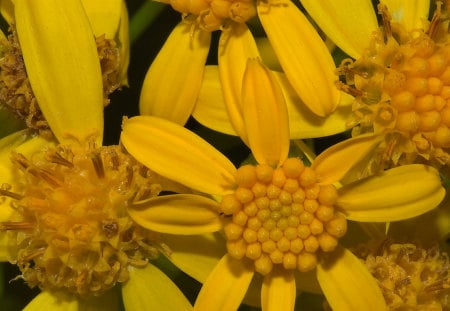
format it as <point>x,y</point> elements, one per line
<point>281,216</point>
<point>402,85</point>
<point>71,229</point>
<point>216,14</point>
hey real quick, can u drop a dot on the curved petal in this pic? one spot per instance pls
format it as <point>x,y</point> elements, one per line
<point>399,193</point>
<point>411,14</point>
<point>333,163</point>
<point>6,253</point>
<point>104,16</point>
<point>303,123</point>
<point>349,23</point>
<point>210,109</point>
<point>124,44</point>
<point>265,114</point>
<point>278,291</point>
<point>195,255</point>
<point>178,154</point>
<point>108,301</point>
<point>303,55</point>
<point>7,10</point>
<point>237,45</point>
<point>348,285</point>
<point>173,80</point>
<point>62,64</point>
<point>52,301</point>
<point>151,289</point>
<point>225,287</point>
<point>183,214</point>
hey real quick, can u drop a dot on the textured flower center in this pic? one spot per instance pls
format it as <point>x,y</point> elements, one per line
<point>71,229</point>
<point>216,14</point>
<point>281,216</point>
<point>402,86</point>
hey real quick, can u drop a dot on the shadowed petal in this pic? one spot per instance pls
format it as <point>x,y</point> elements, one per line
<point>278,291</point>
<point>348,285</point>
<point>225,287</point>
<point>108,301</point>
<point>302,54</point>
<point>178,154</point>
<point>173,80</point>
<point>151,289</point>
<point>399,193</point>
<point>177,214</point>
<point>62,64</point>
<point>104,16</point>
<point>7,10</point>
<point>5,253</point>
<point>349,23</point>
<point>46,301</point>
<point>411,14</point>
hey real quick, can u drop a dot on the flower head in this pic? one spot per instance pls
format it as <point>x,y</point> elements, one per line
<point>279,217</point>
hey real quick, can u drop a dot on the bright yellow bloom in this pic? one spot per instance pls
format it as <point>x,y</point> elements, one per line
<point>175,75</point>
<point>63,217</point>
<point>400,77</point>
<point>280,218</point>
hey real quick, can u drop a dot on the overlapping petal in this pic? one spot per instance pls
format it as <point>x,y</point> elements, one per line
<point>348,23</point>
<point>399,193</point>
<point>104,16</point>
<point>411,14</point>
<point>52,301</point>
<point>302,54</point>
<point>225,287</point>
<point>166,92</point>
<point>178,154</point>
<point>278,291</point>
<point>62,64</point>
<point>348,285</point>
<point>7,10</point>
<point>181,214</point>
<point>151,289</point>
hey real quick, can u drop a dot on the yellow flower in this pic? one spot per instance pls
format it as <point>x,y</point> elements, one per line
<point>280,218</point>
<point>400,75</point>
<point>63,217</point>
<point>180,63</point>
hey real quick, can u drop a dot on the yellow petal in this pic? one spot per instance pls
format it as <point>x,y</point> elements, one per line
<point>104,16</point>
<point>151,289</point>
<point>108,301</point>
<point>305,124</point>
<point>349,23</point>
<point>177,214</point>
<point>399,193</point>
<point>303,55</point>
<point>278,291</point>
<point>195,255</point>
<point>237,45</point>
<point>178,154</point>
<point>333,163</point>
<point>52,301</point>
<point>7,10</point>
<point>225,287</point>
<point>6,253</point>
<point>124,44</point>
<point>173,81</point>
<point>411,14</point>
<point>210,109</point>
<point>265,114</point>
<point>62,64</point>
<point>348,285</point>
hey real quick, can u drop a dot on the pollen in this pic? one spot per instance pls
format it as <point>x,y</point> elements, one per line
<point>402,88</point>
<point>281,216</point>
<point>71,230</point>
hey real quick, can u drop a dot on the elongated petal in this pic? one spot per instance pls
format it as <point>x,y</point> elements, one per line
<point>265,114</point>
<point>151,289</point>
<point>108,301</point>
<point>278,291</point>
<point>333,163</point>
<point>303,55</point>
<point>178,154</point>
<point>173,80</point>
<point>399,193</point>
<point>348,285</point>
<point>5,251</point>
<point>210,109</point>
<point>237,46</point>
<point>177,214</point>
<point>104,16</point>
<point>7,10</point>
<point>52,301</point>
<point>411,14</point>
<point>225,287</point>
<point>349,23</point>
<point>196,255</point>
<point>62,64</point>
<point>124,44</point>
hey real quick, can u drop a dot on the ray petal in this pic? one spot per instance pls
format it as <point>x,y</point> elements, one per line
<point>104,16</point>
<point>278,291</point>
<point>47,300</point>
<point>411,14</point>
